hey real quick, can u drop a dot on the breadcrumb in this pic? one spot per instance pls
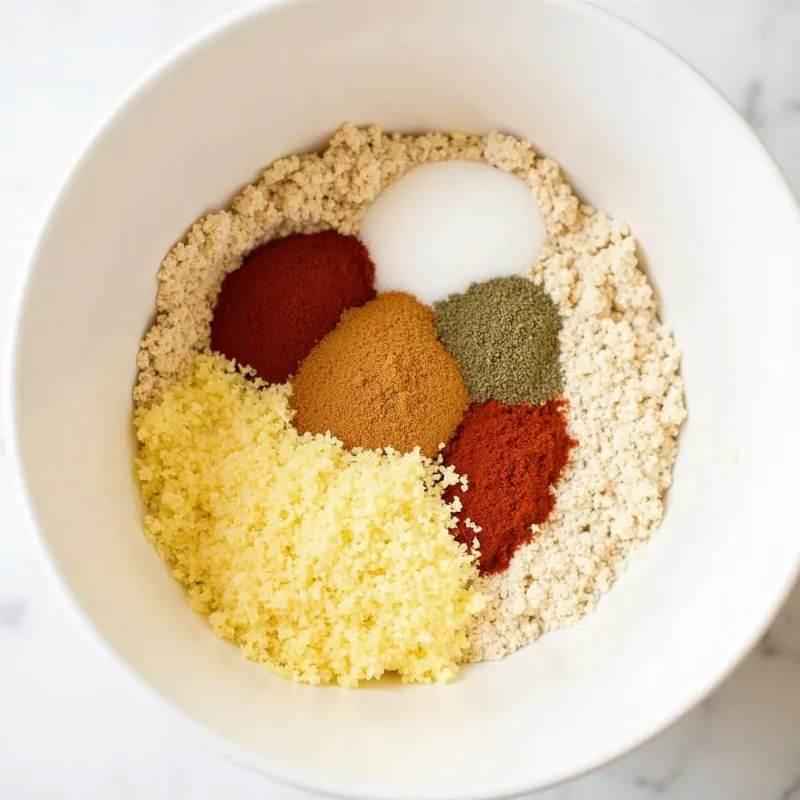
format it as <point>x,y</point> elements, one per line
<point>626,406</point>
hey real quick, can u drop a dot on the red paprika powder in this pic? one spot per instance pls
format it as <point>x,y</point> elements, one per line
<point>512,455</point>
<point>287,295</point>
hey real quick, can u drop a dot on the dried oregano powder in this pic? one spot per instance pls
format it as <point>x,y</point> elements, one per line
<point>504,335</point>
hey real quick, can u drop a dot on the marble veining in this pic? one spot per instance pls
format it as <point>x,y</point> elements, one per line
<point>12,613</point>
<point>71,726</point>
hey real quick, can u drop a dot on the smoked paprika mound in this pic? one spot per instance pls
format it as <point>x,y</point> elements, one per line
<point>512,455</point>
<point>287,295</point>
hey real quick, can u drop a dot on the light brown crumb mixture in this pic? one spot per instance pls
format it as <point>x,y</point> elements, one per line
<point>298,194</point>
<point>620,364</point>
<point>626,407</point>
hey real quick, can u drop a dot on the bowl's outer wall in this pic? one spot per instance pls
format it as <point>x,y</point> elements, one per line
<point>642,137</point>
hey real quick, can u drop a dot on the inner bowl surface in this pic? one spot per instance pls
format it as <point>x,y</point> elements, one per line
<point>640,136</point>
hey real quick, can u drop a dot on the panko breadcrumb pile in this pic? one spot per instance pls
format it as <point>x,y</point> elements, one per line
<point>626,406</point>
<point>323,564</point>
<point>256,551</point>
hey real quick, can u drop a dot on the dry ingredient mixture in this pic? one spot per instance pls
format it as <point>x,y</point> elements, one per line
<point>382,379</point>
<point>240,542</point>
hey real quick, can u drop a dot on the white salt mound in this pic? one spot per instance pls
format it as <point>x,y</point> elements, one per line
<point>447,224</point>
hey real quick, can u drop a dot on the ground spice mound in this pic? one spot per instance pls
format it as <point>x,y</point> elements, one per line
<point>512,457</point>
<point>382,379</point>
<point>504,335</point>
<point>286,296</point>
<point>322,564</point>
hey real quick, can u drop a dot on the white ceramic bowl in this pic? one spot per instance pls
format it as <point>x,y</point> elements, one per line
<point>641,136</point>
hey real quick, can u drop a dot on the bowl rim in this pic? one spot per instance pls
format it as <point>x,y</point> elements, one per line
<point>201,733</point>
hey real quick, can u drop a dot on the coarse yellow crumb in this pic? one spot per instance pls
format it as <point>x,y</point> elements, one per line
<point>321,563</point>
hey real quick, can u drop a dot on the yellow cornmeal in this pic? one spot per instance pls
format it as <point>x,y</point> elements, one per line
<point>323,564</point>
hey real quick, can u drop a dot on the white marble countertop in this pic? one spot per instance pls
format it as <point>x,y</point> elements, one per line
<point>70,726</point>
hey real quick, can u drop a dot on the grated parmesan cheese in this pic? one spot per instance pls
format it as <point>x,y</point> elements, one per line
<point>321,563</point>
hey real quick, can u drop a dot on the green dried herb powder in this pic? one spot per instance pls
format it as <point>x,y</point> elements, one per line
<point>504,335</point>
